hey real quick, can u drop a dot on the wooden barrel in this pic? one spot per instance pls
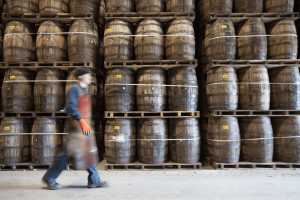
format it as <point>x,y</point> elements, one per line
<point>118,41</point>
<point>49,96</point>
<point>83,42</point>
<point>17,96</point>
<point>180,40</point>
<point>119,98</point>
<point>257,139</point>
<point>223,139</point>
<point>152,142</point>
<point>185,96</point>
<point>151,93</point>
<point>120,141</point>
<point>18,44</point>
<point>216,7</point>
<point>149,5</point>
<point>185,140</point>
<point>287,139</point>
<point>149,42</point>
<point>249,6</point>
<point>254,88</point>
<point>285,46</point>
<point>220,41</point>
<point>84,7</point>
<point>20,7</point>
<point>279,6</point>
<point>46,144</point>
<point>180,6</point>
<point>222,89</point>
<point>285,88</point>
<point>53,7</point>
<point>119,5</point>
<point>252,43</point>
<point>14,148</point>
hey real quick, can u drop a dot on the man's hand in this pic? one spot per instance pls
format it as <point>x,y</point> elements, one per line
<point>85,127</point>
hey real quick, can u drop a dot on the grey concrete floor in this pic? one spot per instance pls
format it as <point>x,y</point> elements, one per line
<point>158,185</point>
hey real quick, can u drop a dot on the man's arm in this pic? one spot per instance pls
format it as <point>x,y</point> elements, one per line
<point>72,103</point>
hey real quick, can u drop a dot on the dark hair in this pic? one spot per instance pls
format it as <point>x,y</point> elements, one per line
<point>81,72</point>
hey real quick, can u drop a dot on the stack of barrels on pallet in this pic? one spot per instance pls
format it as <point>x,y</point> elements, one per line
<point>152,89</point>
<point>261,139</point>
<point>34,81</point>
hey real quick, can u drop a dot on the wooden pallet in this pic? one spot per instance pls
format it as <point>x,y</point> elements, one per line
<point>26,166</point>
<point>34,114</point>
<point>250,165</point>
<point>246,113</point>
<point>141,166</point>
<point>143,114</point>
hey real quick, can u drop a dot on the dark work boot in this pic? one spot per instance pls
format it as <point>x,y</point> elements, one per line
<point>102,184</point>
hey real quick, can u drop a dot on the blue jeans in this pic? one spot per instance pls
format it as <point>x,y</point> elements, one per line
<point>61,164</point>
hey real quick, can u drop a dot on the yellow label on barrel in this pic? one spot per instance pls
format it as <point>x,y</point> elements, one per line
<point>7,128</point>
<point>224,26</point>
<point>109,30</point>
<point>225,127</point>
<point>119,76</point>
<point>117,127</point>
<point>12,77</point>
<point>225,77</point>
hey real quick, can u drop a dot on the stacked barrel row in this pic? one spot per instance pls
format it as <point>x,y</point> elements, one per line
<point>152,89</point>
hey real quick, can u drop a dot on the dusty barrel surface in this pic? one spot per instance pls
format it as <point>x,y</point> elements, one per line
<point>19,7</point>
<point>53,7</point>
<point>254,88</point>
<point>257,139</point>
<point>185,96</point>
<point>45,145</point>
<point>180,40</point>
<point>119,5</point>
<point>185,140</point>
<point>120,141</point>
<point>252,40</point>
<point>17,43</point>
<point>216,7</point>
<point>151,94</point>
<point>279,5</point>
<point>224,139</point>
<point>51,44</point>
<point>17,94</point>
<point>220,41</point>
<point>83,42</point>
<point>249,6</point>
<point>222,89</point>
<point>119,96</point>
<point>84,7</point>
<point>283,42</point>
<point>149,5</point>
<point>118,41</point>
<point>149,42</point>
<point>152,143</point>
<point>49,96</point>
<point>285,88</point>
<point>287,139</point>
<point>180,5</point>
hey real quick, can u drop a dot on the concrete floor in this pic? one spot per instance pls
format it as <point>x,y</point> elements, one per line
<point>159,185</point>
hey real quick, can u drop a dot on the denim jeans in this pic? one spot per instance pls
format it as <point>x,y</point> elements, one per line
<point>61,164</point>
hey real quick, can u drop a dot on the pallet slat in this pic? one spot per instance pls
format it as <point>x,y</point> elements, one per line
<point>275,165</point>
<point>143,114</point>
<point>245,113</point>
<point>141,166</point>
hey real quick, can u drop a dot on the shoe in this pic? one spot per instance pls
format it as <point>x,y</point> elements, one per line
<point>98,185</point>
<point>51,186</point>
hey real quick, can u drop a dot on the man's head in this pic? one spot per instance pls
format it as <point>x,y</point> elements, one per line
<point>84,76</point>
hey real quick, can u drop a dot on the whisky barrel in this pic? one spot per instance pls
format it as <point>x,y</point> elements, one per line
<point>119,97</point>
<point>46,144</point>
<point>252,40</point>
<point>279,6</point>
<point>151,93</point>
<point>249,6</point>
<point>120,143</point>
<point>152,142</point>
<point>149,5</point>
<point>14,148</point>
<point>220,41</point>
<point>84,7</point>
<point>222,89</point>
<point>224,139</point>
<point>216,7</point>
<point>49,96</point>
<point>83,42</point>
<point>149,42</point>
<point>254,88</point>
<point>53,7</point>
<point>17,96</point>
<point>180,6</point>
<point>20,7</point>
<point>285,88</point>
<point>286,45</point>
<point>184,97</point>
<point>18,44</point>
<point>118,41</point>
<point>119,6</point>
<point>287,139</point>
<point>257,139</point>
<point>185,140</point>
<point>180,40</point>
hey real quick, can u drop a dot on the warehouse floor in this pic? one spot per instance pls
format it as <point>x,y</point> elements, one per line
<point>161,185</point>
